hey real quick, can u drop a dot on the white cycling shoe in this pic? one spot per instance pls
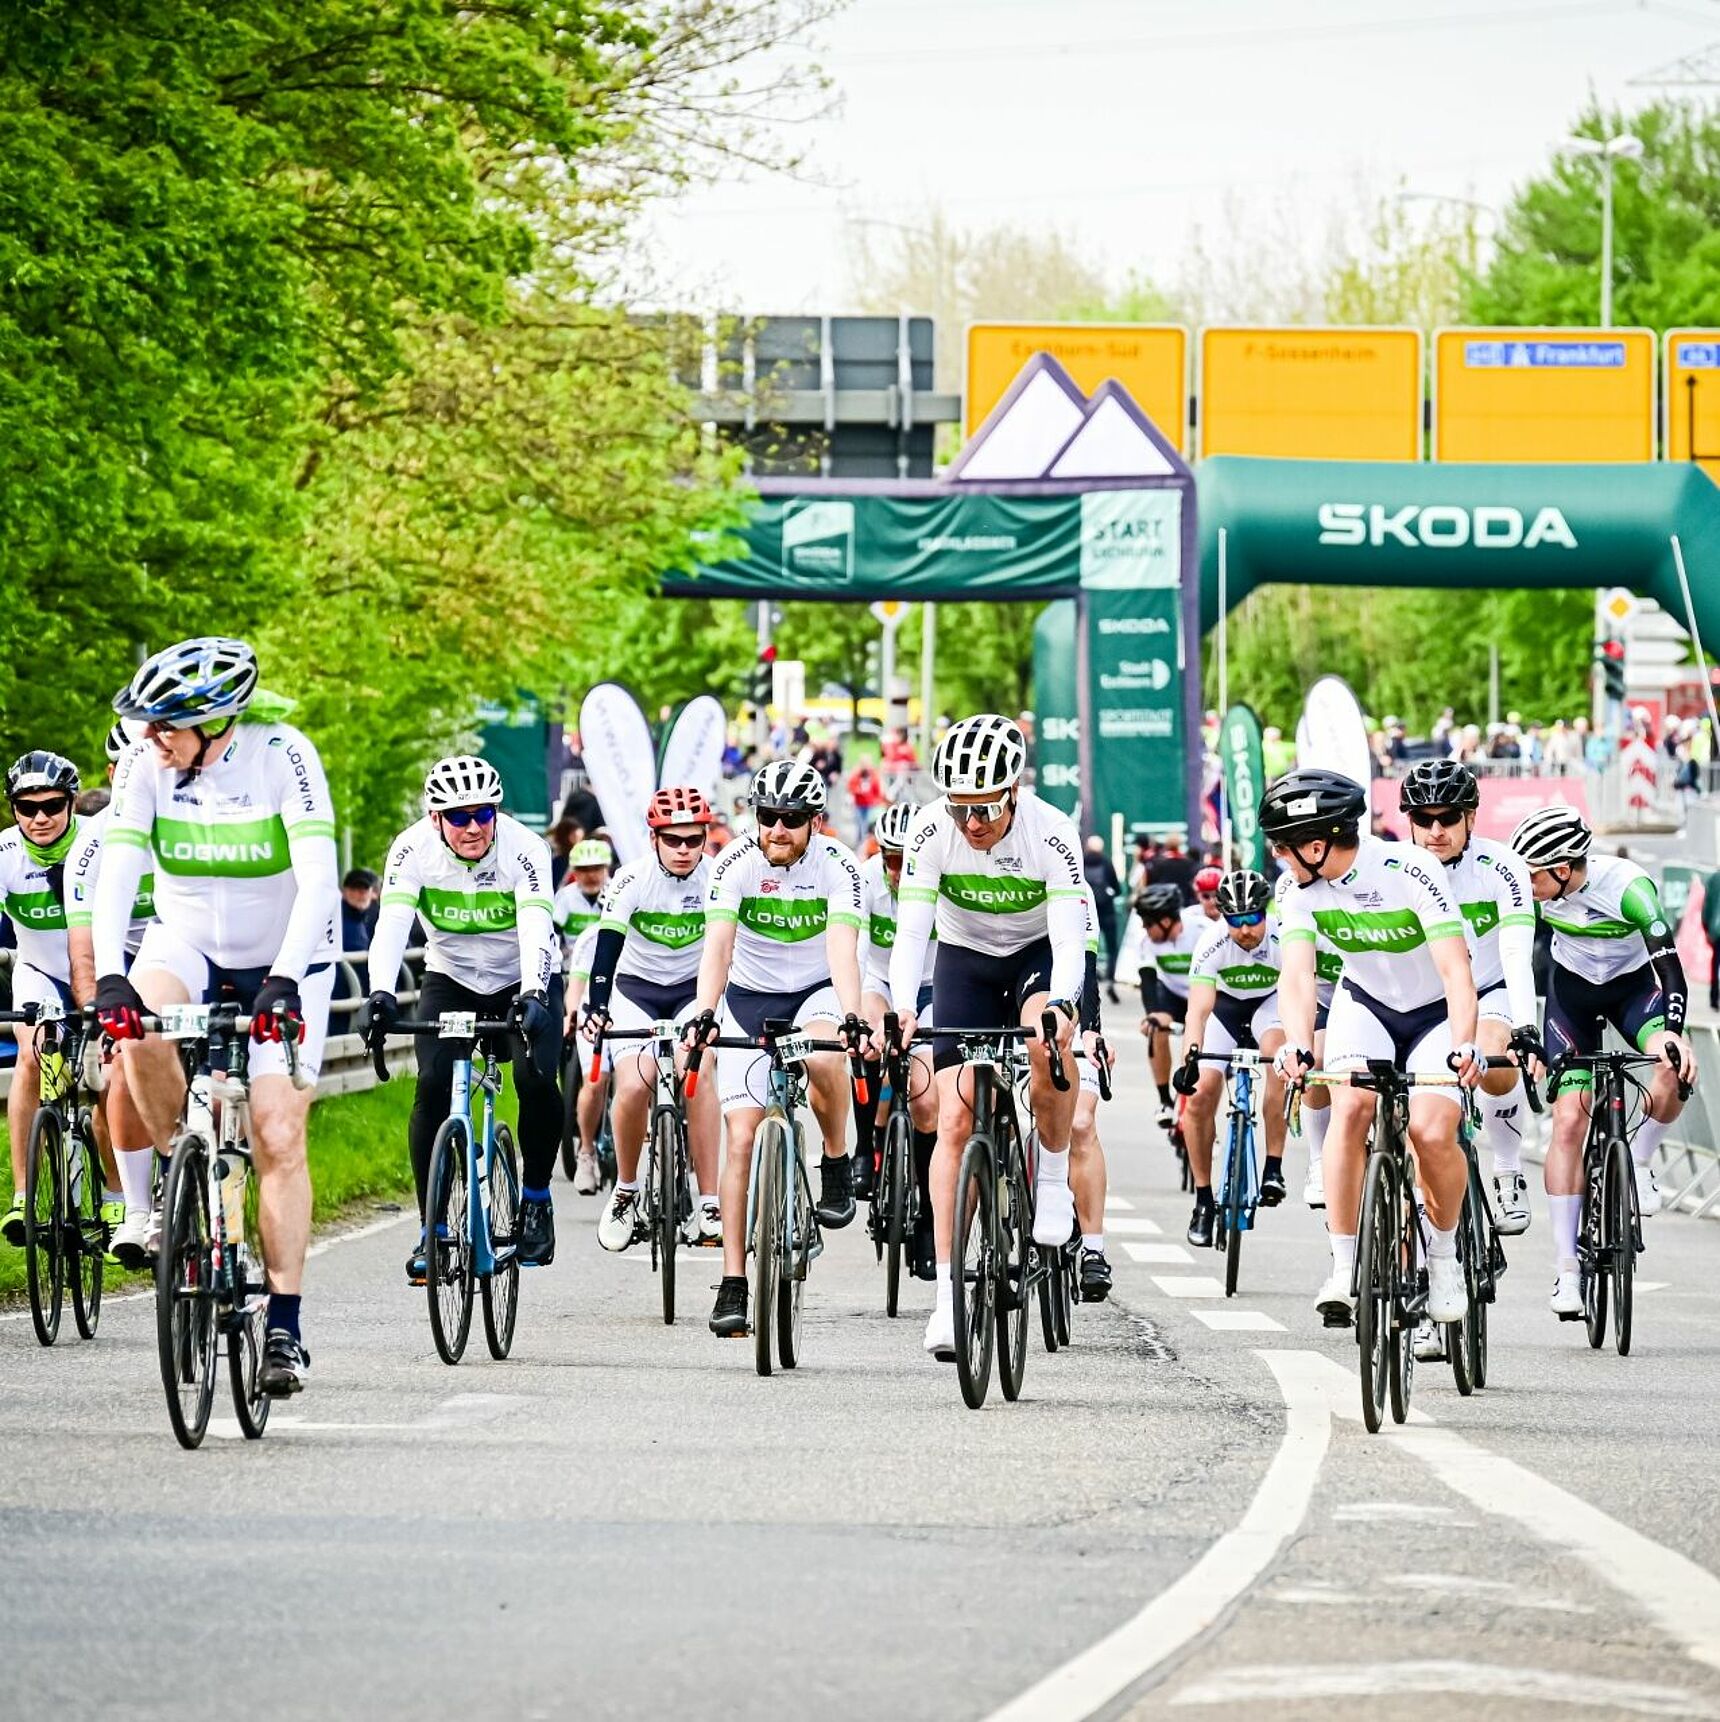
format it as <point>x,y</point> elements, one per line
<point>1430,1342</point>
<point>1647,1191</point>
<point>618,1230</point>
<point>940,1338</point>
<point>1447,1295</point>
<point>1337,1308</point>
<point>1511,1204</point>
<point>1314,1187</point>
<point>710,1225</point>
<point>137,1241</point>
<point>1567,1299</point>
<point>1053,1214</point>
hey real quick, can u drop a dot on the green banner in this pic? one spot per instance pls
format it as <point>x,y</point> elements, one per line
<point>1056,711</point>
<point>1243,758</point>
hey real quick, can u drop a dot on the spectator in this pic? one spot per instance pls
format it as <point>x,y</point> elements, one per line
<point>1102,877</point>
<point>866,791</point>
<point>358,904</point>
<point>1380,748</point>
<point>1172,867</point>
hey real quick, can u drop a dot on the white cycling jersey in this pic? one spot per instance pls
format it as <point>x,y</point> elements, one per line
<point>1172,959</point>
<point>1383,915</point>
<point>782,913</point>
<point>83,868</point>
<point>661,918</point>
<point>1598,931</point>
<point>37,912</point>
<point>878,932</point>
<point>1328,959</point>
<point>575,913</point>
<point>1490,884</point>
<point>245,871</point>
<point>1221,963</point>
<point>486,922</point>
<point>1030,886</point>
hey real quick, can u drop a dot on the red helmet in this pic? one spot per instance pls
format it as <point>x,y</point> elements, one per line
<point>1206,881</point>
<point>677,806</point>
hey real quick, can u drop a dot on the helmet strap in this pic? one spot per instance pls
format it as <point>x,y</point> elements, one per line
<point>206,739</point>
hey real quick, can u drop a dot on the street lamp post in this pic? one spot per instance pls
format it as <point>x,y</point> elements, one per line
<point>1607,152</point>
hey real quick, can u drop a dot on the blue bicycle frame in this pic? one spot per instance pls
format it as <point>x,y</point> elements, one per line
<point>486,1258</point>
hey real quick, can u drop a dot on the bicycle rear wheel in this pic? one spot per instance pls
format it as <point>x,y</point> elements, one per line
<point>894,1173</point>
<point>1376,1249</point>
<point>1621,1223</point>
<point>186,1324</point>
<point>448,1244</point>
<point>1050,1282</point>
<point>1012,1263</point>
<point>45,1224</point>
<point>502,1288</point>
<point>796,1259</point>
<point>86,1236</point>
<point>1595,1269</point>
<point>973,1290</point>
<point>1063,1311</point>
<point>668,1162</point>
<point>767,1265</point>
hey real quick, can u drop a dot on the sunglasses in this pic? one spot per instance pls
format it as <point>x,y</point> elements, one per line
<point>977,812</point>
<point>789,818</point>
<point>41,809</point>
<point>1425,818</point>
<point>461,817</point>
<point>696,841</point>
<point>1250,920</point>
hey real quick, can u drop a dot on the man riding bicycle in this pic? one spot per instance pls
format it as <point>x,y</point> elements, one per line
<point>235,808</point>
<point>999,871</point>
<point>1166,955</point>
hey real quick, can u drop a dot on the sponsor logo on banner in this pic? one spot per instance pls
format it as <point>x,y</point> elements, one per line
<point>1443,526</point>
<point>1130,538</point>
<point>818,540</point>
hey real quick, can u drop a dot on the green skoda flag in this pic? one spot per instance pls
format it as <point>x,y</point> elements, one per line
<point>1244,763</point>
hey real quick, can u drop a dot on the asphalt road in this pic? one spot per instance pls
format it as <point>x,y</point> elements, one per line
<point>1182,1516</point>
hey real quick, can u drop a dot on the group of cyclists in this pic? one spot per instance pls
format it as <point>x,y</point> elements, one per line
<point>212,874</point>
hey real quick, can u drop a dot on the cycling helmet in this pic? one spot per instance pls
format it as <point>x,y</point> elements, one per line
<point>677,806</point>
<point>462,780</point>
<point>896,825</point>
<point>1551,837</point>
<point>1159,903</point>
<point>1312,802</point>
<point>1206,881</point>
<point>980,754</point>
<point>590,853</point>
<point>1439,783</point>
<point>788,783</point>
<point>196,682</point>
<point>120,737</point>
<point>41,773</point>
<point>1243,892</point>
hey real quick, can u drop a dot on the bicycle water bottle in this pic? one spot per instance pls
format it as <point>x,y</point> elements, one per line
<point>231,1170</point>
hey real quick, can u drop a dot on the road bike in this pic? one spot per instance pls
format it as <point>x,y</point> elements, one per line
<point>65,1240</point>
<point>1481,1254</point>
<point>1237,1199</point>
<point>1178,1139</point>
<point>896,1197</point>
<point>472,1194</point>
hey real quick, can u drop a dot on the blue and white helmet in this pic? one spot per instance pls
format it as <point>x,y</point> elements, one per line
<point>789,783</point>
<point>197,682</point>
<point>979,755</point>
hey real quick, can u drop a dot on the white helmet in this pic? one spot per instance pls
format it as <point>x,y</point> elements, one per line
<point>788,783</point>
<point>463,780</point>
<point>895,825</point>
<point>120,737</point>
<point>1551,837</point>
<point>980,754</point>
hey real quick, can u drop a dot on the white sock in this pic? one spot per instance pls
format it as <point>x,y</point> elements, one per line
<point>1053,1167</point>
<point>709,1203</point>
<point>630,1185</point>
<point>1343,1253</point>
<point>111,1195</point>
<point>134,1170</point>
<point>1502,1129</point>
<point>1314,1128</point>
<point>946,1291</point>
<point>1094,1241</point>
<point>1647,1139</point>
<point>1441,1246</point>
<point>1566,1214</point>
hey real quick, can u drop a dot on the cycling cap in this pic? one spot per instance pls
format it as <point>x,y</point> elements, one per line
<point>1206,881</point>
<point>1159,903</point>
<point>196,682</point>
<point>463,780</point>
<point>788,783</point>
<point>1439,783</point>
<point>677,806</point>
<point>41,773</point>
<point>980,754</point>
<point>896,825</point>
<point>590,853</point>
<point>1312,802</point>
<point>1552,836</point>
<point>1243,892</point>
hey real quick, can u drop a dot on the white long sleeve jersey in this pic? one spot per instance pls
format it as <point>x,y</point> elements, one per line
<point>783,913</point>
<point>1490,884</point>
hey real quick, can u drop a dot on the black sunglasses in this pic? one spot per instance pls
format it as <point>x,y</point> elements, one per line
<point>696,841</point>
<point>41,809</point>
<point>789,818</point>
<point>461,817</point>
<point>1425,818</point>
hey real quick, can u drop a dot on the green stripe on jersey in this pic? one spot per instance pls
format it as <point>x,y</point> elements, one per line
<point>672,929</point>
<point>36,911</point>
<point>1371,929</point>
<point>993,894</point>
<point>1328,966</point>
<point>1482,917</point>
<point>1249,977</point>
<point>883,931</point>
<point>468,912</point>
<point>790,920</point>
<point>1174,962</point>
<point>1592,929</point>
<point>237,849</point>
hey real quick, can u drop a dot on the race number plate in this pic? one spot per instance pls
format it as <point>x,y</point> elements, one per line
<point>458,1025</point>
<point>794,1048</point>
<point>979,1052</point>
<point>184,1021</point>
<point>663,1037</point>
<point>50,1010</point>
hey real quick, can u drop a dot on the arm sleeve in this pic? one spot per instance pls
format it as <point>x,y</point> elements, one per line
<point>1065,910</point>
<point>308,814</point>
<point>82,870</point>
<point>1641,907</point>
<point>617,905</point>
<point>126,855</point>
<point>394,920</point>
<point>916,906</point>
<point>1090,994</point>
<point>532,918</point>
<point>1516,901</point>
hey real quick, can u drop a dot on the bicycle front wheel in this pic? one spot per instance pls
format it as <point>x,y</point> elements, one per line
<point>247,1325</point>
<point>769,1155</point>
<point>1621,1224</point>
<point>86,1236</point>
<point>796,1259</point>
<point>1235,1193</point>
<point>973,1288</point>
<point>45,1224</point>
<point>502,1288</point>
<point>1011,1267</point>
<point>895,1171</point>
<point>1376,1280</point>
<point>1460,1343</point>
<point>668,1162</point>
<point>448,1243</point>
<point>186,1318</point>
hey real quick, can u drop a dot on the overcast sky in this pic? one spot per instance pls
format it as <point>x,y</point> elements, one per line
<point>1128,123</point>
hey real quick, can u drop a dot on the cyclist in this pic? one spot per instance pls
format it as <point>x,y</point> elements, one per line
<point>1316,1107</point>
<point>999,872</point>
<point>781,941</point>
<point>1408,995</point>
<point>645,969</point>
<point>41,788</point>
<point>479,882</point>
<point>1233,1002</point>
<point>1088,1179</point>
<point>1613,960</point>
<point>1206,883</point>
<point>578,908</point>
<point>1166,954</point>
<point>881,878</point>
<point>1440,798</point>
<point>235,807</point>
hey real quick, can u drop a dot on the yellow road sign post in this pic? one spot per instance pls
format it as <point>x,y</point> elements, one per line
<point>1691,398</point>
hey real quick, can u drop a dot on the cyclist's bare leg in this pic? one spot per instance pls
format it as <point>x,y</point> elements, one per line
<point>589,1112</point>
<point>1442,1171</point>
<point>154,1082</point>
<point>1272,1103</point>
<point>955,1126</point>
<point>1200,1123</point>
<point>1053,1108</point>
<point>739,1126</point>
<point>1494,1039</point>
<point>704,1127</point>
<point>278,1115</point>
<point>827,1088</point>
<point>1087,1167</point>
<point>1345,1156</point>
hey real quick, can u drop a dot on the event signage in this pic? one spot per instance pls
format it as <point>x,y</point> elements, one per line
<point>1243,758</point>
<point>615,742</point>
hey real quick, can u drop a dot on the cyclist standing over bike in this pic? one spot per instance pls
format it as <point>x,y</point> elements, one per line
<point>999,873</point>
<point>577,908</point>
<point>1407,996</point>
<point>1613,961</point>
<point>781,942</point>
<point>41,788</point>
<point>234,805</point>
<point>479,881</point>
<point>645,969</point>
<point>1166,954</point>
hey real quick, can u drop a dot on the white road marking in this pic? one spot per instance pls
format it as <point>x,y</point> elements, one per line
<point>1238,1320</point>
<point>1165,1255</point>
<point>1288,1683</point>
<point>1321,1596</point>
<point>1188,1285</point>
<point>1141,1228</point>
<point>1653,1285</point>
<point>1385,1512</point>
<point>1496,1591</point>
<point>1118,1205</point>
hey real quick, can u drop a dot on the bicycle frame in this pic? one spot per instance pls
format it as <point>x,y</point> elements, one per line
<point>785,1094</point>
<point>1240,1194</point>
<point>477,1068</point>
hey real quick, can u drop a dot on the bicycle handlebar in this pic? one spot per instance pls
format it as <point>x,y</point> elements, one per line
<point>1620,1061</point>
<point>379,1037</point>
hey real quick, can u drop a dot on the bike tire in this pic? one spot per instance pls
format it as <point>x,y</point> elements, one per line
<point>572,1077</point>
<point>45,1223</point>
<point>448,1284</point>
<point>1460,1334</point>
<point>86,1235</point>
<point>1595,1271</point>
<point>1375,1301</point>
<point>1402,1378</point>
<point>247,1326</point>
<point>796,1259</point>
<point>1622,1223</point>
<point>973,1289</point>
<point>186,1318</point>
<point>1014,1269</point>
<point>502,1288</point>
<point>1050,1278</point>
<point>895,1172</point>
<point>767,1239</point>
<point>667,1178</point>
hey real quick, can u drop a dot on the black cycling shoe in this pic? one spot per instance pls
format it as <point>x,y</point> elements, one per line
<point>865,1176</point>
<point>537,1234</point>
<point>1200,1226</point>
<point>729,1318</point>
<point>924,1256</point>
<point>835,1205</point>
<point>1272,1190</point>
<point>286,1365</point>
<point>417,1270</point>
<point>1095,1277</point>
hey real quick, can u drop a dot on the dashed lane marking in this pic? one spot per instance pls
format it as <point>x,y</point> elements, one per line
<point>1188,1285</point>
<point>1238,1320</point>
<point>1165,1255</point>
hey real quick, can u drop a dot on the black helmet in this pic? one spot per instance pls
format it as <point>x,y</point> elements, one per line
<point>1159,903</point>
<point>1439,783</point>
<point>41,771</point>
<point>1312,802</point>
<point>1243,892</point>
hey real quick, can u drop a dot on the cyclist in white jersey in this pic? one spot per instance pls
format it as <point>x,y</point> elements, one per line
<point>781,942</point>
<point>41,788</point>
<point>1614,960</point>
<point>1166,952</point>
<point>578,909</point>
<point>1088,1177</point>
<point>1491,886</point>
<point>236,810</point>
<point>1408,996</point>
<point>645,970</point>
<point>478,880</point>
<point>999,872</point>
<point>1316,1108</point>
<point>1233,1002</point>
<point>579,902</point>
<point>880,881</point>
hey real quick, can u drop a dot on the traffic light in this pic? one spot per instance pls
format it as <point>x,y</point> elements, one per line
<point>1610,654</point>
<point>763,677</point>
